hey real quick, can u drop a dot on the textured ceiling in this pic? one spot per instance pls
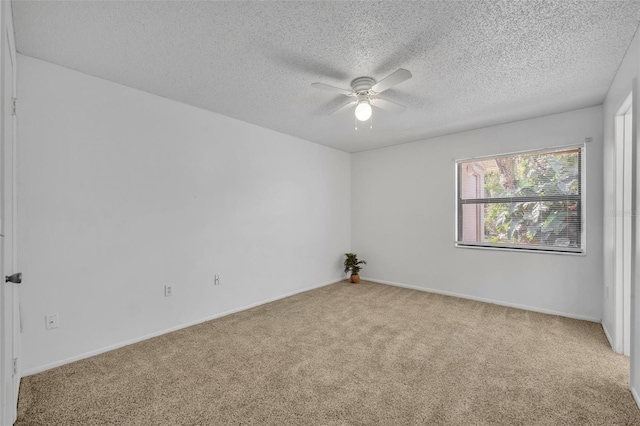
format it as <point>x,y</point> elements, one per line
<point>474,63</point>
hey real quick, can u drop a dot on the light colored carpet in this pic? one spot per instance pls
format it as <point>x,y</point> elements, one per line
<point>345,354</point>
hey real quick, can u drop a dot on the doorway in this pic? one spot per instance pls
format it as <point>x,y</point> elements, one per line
<point>623,218</point>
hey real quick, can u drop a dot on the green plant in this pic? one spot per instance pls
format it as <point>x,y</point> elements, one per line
<point>352,264</point>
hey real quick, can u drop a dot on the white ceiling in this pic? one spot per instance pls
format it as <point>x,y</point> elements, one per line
<point>474,63</point>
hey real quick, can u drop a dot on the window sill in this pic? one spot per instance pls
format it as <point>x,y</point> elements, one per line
<point>521,249</point>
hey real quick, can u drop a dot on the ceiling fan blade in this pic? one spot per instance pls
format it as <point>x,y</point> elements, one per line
<point>331,88</point>
<point>343,107</point>
<point>387,105</point>
<point>391,80</point>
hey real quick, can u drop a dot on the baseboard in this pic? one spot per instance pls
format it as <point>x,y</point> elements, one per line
<point>635,396</point>
<point>482,299</point>
<point>95,352</point>
<point>606,333</point>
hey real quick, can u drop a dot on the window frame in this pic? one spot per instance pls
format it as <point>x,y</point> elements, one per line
<point>581,199</point>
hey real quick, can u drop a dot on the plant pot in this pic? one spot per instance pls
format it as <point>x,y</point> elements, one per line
<point>355,278</point>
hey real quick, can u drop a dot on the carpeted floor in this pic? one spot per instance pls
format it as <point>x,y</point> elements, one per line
<point>346,354</point>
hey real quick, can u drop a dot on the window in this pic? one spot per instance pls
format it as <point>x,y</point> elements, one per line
<point>530,201</point>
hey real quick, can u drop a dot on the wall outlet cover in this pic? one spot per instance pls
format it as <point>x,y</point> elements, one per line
<point>51,321</point>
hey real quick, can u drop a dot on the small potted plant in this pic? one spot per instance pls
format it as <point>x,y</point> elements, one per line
<point>352,265</point>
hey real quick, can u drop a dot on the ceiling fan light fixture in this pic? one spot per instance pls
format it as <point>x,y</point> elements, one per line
<point>363,111</point>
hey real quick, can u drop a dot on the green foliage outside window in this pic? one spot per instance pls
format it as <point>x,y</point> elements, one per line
<point>536,222</point>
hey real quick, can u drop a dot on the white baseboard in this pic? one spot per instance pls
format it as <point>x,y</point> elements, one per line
<point>635,396</point>
<point>606,333</point>
<point>89,354</point>
<point>482,299</point>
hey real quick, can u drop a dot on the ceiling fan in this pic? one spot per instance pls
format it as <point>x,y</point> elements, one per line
<point>365,90</point>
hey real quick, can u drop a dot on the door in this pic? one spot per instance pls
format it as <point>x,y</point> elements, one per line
<point>10,293</point>
<point>10,258</point>
<point>623,218</point>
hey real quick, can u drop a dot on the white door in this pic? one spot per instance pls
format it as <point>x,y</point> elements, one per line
<point>626,229</point>
<point>10,257</point>
<point>10,294</point>
<point>623,217</point>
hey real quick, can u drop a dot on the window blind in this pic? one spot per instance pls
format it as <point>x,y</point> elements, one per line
<point>527,200</point>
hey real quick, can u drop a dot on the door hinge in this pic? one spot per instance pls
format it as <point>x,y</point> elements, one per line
<point>15,366</point>
<point>15,106</point>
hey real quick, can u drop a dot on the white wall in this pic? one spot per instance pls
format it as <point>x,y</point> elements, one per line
<point>621,87</point>
<point>403,219</point>
<point>122,192</point>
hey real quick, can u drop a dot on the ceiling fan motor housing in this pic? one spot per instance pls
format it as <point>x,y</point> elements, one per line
<point>362,84</point>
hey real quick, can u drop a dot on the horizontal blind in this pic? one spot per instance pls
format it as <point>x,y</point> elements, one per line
<point>530,200</point>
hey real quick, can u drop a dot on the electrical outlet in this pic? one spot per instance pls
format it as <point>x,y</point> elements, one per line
<point>51,321</point>
<point>168,290</point>
<point>216,280</point>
